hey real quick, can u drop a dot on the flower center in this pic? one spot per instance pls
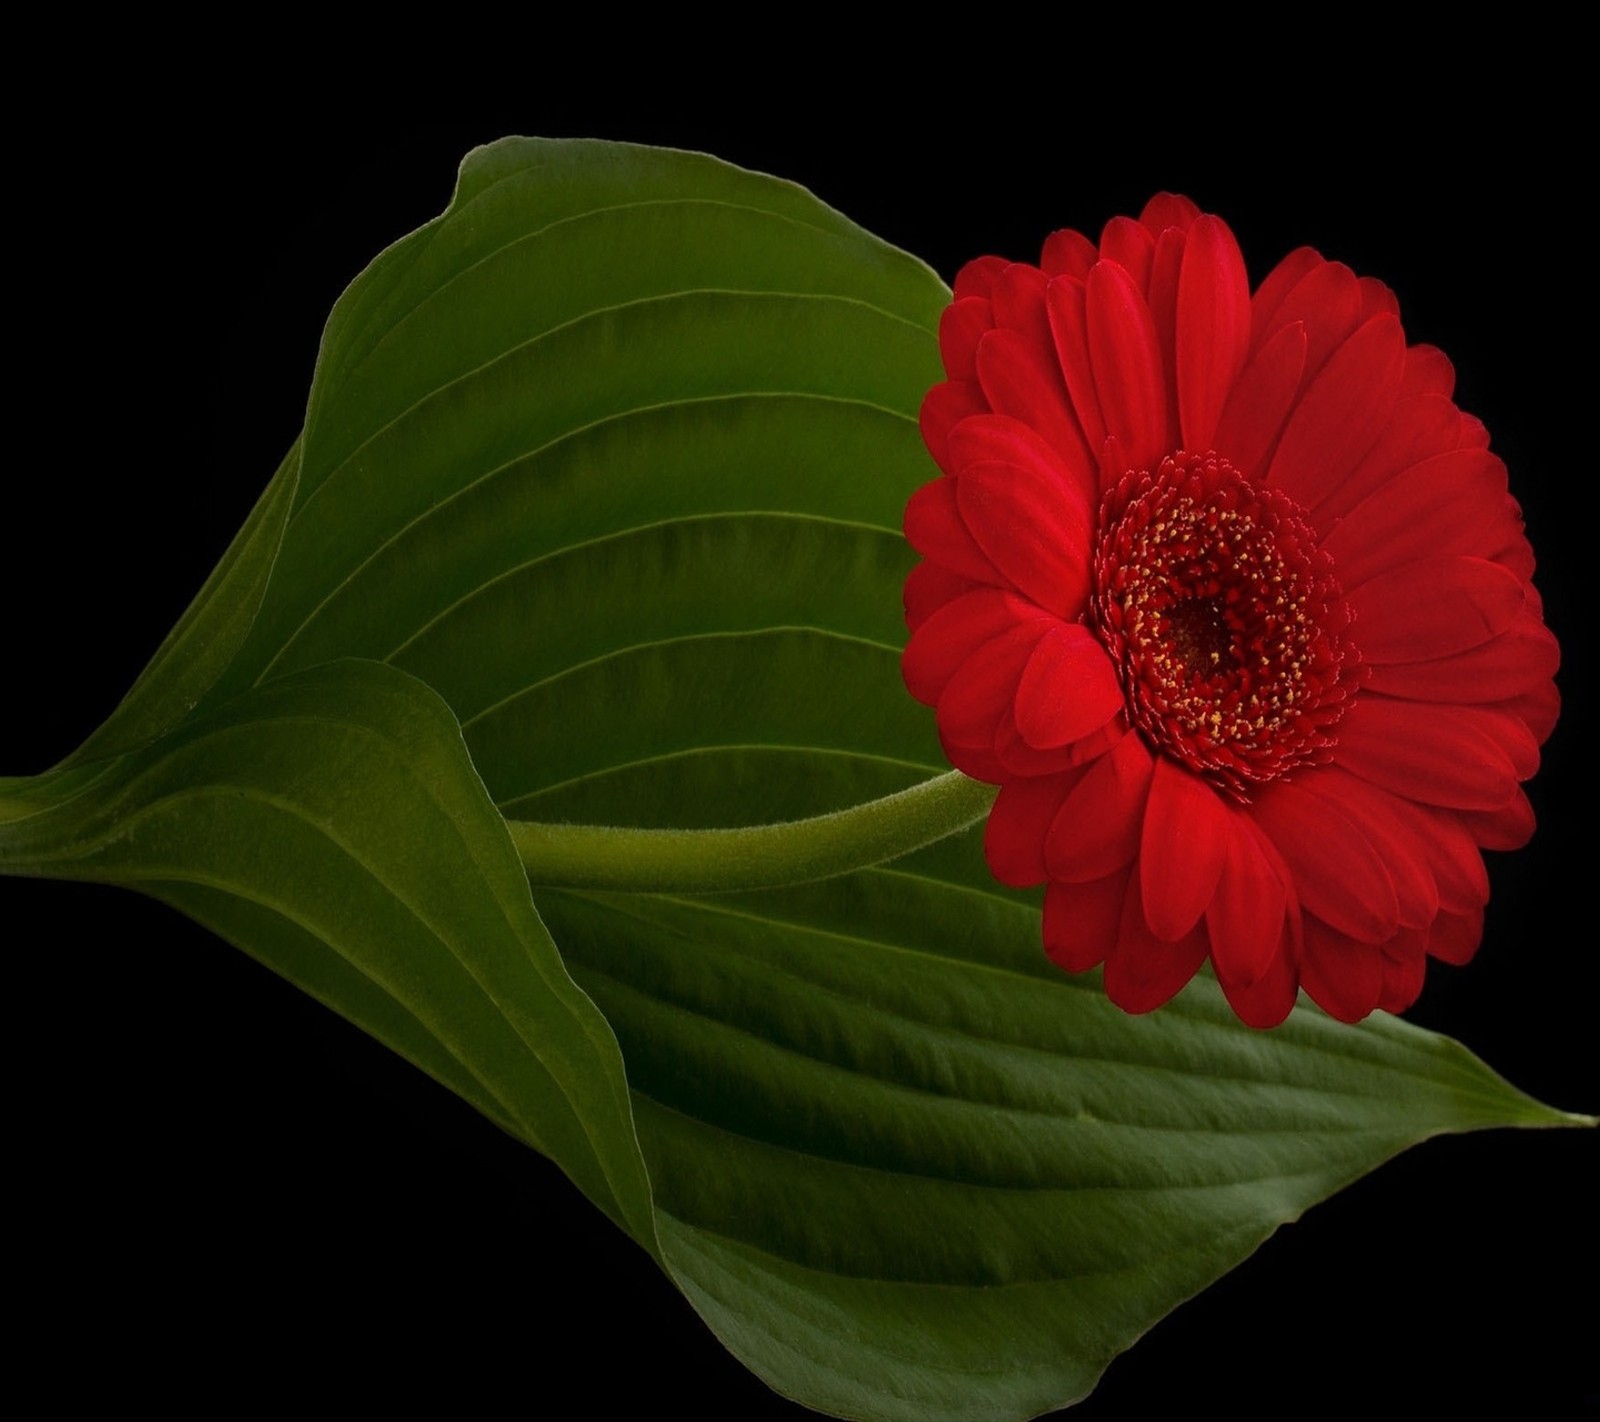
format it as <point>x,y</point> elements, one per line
<point>1229,630</point>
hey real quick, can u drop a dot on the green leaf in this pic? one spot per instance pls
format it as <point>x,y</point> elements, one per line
<point>607,465</point>
<point>332,826</point>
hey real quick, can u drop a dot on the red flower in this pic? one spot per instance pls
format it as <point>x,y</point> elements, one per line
<point>1231,601</point>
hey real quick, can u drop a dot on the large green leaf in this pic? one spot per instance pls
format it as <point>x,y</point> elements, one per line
<point>612,458</point>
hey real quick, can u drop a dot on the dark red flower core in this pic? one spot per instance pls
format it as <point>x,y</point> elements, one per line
<point>1226,623</point>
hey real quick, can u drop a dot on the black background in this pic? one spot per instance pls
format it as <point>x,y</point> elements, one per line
<point>226,1190</point>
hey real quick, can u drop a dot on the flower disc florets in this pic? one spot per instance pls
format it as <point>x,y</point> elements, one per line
<point>1225,620</point>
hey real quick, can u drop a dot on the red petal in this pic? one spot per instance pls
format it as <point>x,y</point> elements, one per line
<point>1034,529</point>
<point>1068,689</point>
<point>1068,253</point>
<point>1019,760</point>
<point>1338,873</point>
<point>1163,301</point>
<point>1429,372</point>
<point>1377,299</point>
<point>960,328</point>
<point>1132,246</point>
<point>1181,853</point>
<point>1069,326</point>
<point>1438,755</point>
<point>1342,413</point>
<point>952,634</point>
<point>1446,504</point>
<point>1127,365</point>
<point>1013,839</point>
<point>1343,976</point>
<point>1522,658</point>
<point>1378,815</point>
<point>1474,432</point>
<point>944,407</point>
<point>1455,937</point>
<point>1269,297</point>
<point>1509,827</point>
<point>1267,1001</point>
<point>1328,301</point>
<point>1082,921</point>
<point>1018,298</point>
<point>1099,825</point>
<point>997,437</point>
<point>985,685</point>
<point>1421,427</point>
<point>1405,964</point>
<point>1168,210</point>
<point>1262,397</point>
<point>935,528</point>
<point>928,588</point>
<point>1452,855</point>
<point>1245,916</point>
<point>1538,707</point>
<point>1434,607</point>
<point>1025,383</point>
<point>1213,328</point>
<point>1143,971</point>
<point>978,276</point>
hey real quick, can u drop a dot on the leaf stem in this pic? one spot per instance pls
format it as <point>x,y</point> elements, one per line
<point>754,857</point>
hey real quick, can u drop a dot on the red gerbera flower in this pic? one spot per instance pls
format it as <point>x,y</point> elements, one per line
<point>1231,601</point>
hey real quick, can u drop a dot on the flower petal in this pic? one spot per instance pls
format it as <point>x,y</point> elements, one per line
<point>1509,827</point>
<point>1082,921</point>
<point>1213,328</point>
<point>1433,607</point>
<point>1429,372</point>
<point>1067,304</point>
<point>1442,505</point>
<point>1018,300</point>
<point>1018,381</point>
<point>1327,300</point>
<point>1261,400</point>
<point>1270,295</point>
<point>1098,827</point>
<point>1162,298</point>
<point>935,528</point>
<point>1182,850</point>
<point>1068,253</point>
<point>928,588</point>
<point>1035,530</point>
<point>944,407</point>
<point>1127,365</point>
<point>1267,1001</point>
<point>1342,975</point>
<point>1438,755</point>
<point>1338,873</point>
<point>978,276</point>
<point>1132,246</point>
<point>948,637</point>
<point>1166,210</point>
<point>1013,838</point>
<point>1455,937</point>
<point>1377,814</point>
<point>1405,964</point>
<point>1520,659</point>
<point>1342,413</point>
<point>961,327</point>
<point>1142,970</point>
<point>1068,689</point>
<point>1420,427</point>
<point>1245,916</point>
